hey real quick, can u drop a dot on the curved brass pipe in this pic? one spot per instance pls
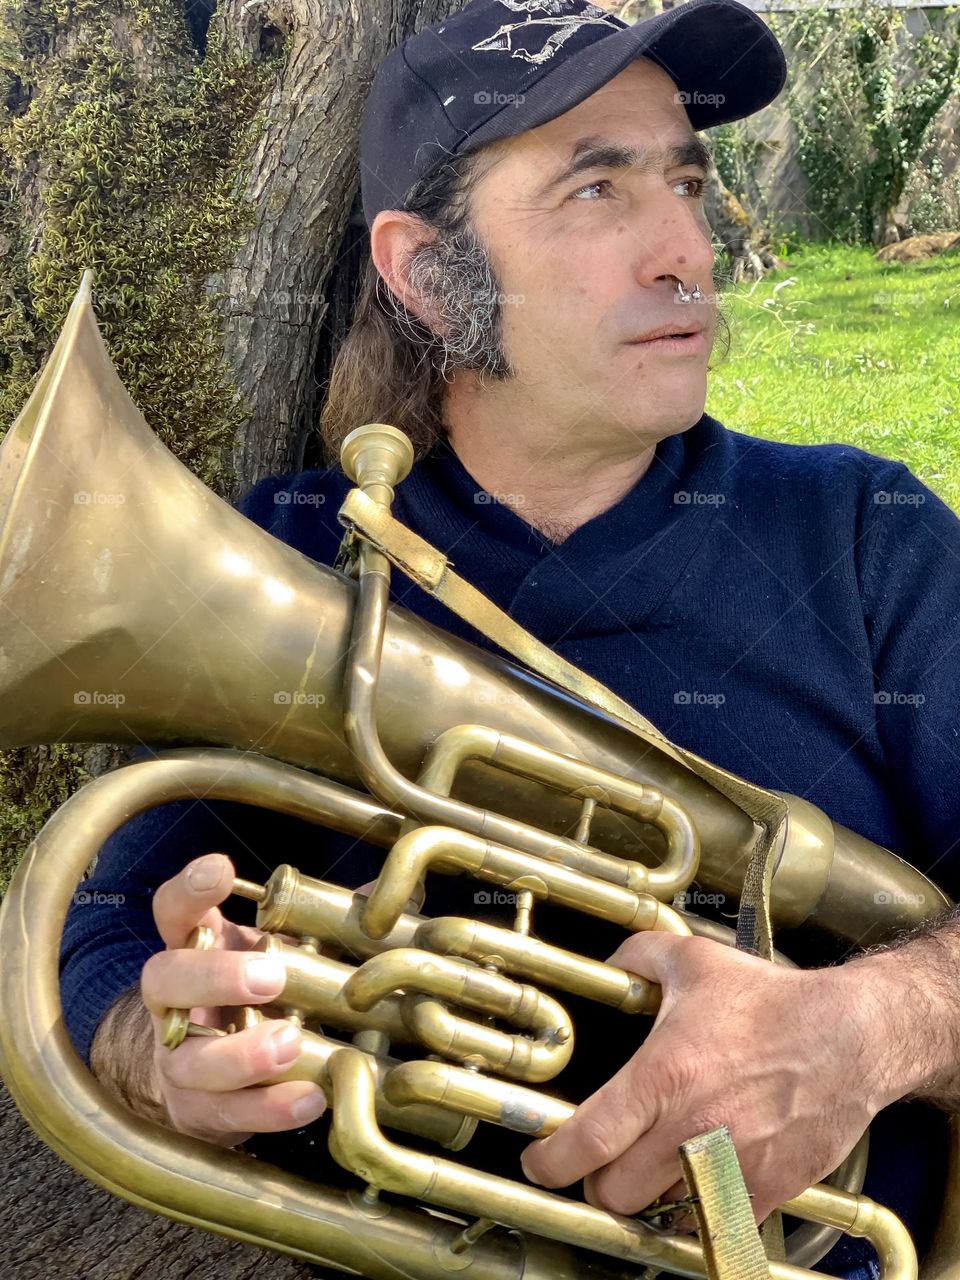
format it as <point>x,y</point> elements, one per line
<point>291,902</point>
<point>479,742</point>
<point>474,988</point>
<point>441,1124</point>
<point>540,961</point>
<point>388,784</point>
<point>183,1178</point>
<point>357,1143</point>
<point>449,849</point>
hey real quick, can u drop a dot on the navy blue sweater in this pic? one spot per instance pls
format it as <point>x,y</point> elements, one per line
<point>789,612</point>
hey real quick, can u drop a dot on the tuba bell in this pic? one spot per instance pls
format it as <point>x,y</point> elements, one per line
<point>122,573</point>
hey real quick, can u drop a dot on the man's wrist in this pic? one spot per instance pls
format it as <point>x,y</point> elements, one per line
<point>909,1026</point>
<point>121,1056</point>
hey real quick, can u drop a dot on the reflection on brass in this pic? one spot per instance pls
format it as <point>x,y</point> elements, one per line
<point>140,607</point>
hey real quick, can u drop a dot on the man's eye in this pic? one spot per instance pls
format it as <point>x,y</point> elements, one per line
<point>698,183</point>
<point>604,185</point>
<point>591,186</point>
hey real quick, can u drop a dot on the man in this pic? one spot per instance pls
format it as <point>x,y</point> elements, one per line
<point>532,179</point>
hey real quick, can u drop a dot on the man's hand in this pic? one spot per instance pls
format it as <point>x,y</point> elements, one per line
<point>208,1086</point>
<point>784,1057</point>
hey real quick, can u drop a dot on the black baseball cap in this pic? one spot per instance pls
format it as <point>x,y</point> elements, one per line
<point>500,67</point>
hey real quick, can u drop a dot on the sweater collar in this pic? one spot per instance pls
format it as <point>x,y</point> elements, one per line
<point>640,545</point>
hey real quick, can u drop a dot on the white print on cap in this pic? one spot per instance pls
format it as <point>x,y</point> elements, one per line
<point>560,26</point>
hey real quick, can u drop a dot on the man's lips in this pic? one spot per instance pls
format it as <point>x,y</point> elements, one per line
<point>673,330</point>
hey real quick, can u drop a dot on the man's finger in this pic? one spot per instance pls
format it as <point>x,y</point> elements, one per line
<point>600,1130</point>
<point>648,1169</point>
<point>219,1064</point>
<point>182,903</point>
<point>648,954</point>
<point>270,1109</point>
<point>191,979</point>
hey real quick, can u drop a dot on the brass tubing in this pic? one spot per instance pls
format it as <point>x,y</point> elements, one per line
<point>158,1169</point>
<point>448,849</point>
<point>478,742</point>
<point>499,1102</point>
<point>467,985</point>
<point>339,995</point>
<point>315,985</point>
<point>859,1216</point>
<point>540,961</point>
<point>361,676</point>
<point>440,1124</point>
<point>357,1143</point>
<point>298,904</point>
<point>295,903</point>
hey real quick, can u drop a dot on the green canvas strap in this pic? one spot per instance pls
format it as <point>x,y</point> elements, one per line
<point>732,1245</point>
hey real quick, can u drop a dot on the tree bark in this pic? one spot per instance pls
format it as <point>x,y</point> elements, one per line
<point>744,242</point>
<point>287,294</point>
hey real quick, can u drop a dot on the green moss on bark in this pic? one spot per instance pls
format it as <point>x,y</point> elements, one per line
<point>121,149</point>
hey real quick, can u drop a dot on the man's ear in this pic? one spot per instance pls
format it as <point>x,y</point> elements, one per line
<point>394,238</point>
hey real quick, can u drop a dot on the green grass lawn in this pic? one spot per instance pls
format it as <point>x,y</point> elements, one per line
<point>840,347</point>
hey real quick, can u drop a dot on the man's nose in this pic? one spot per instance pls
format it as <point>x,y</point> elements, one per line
<point>675,239</point>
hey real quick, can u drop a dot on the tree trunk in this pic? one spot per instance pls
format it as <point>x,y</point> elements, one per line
<point>748,255</point>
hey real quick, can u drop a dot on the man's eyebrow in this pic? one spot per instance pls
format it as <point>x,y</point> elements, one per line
<point>598,153</point>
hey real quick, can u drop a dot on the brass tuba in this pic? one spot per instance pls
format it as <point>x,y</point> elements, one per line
<point>138,606</point>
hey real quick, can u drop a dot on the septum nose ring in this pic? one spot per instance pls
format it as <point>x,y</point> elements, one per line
<point>682,295</point>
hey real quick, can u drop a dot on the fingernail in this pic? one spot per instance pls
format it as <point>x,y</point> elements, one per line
<point>286,1044</point>
<point>205,872</point>
<point>529,1176</point>
<point>265,975</point>
<point>308,1108</point>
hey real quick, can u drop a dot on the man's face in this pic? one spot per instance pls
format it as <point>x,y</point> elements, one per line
<point>588,260</point>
